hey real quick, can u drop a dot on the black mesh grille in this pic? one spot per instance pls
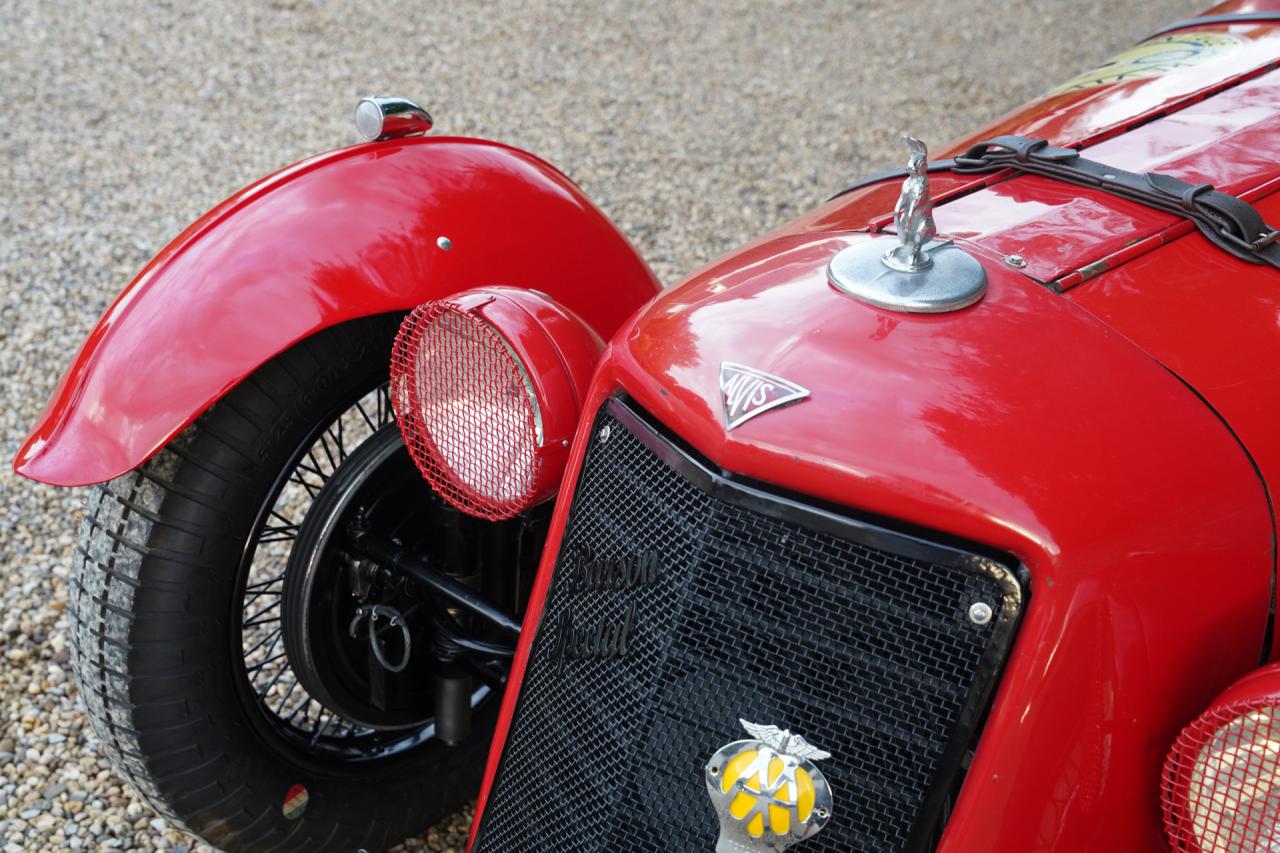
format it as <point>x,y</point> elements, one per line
<point>717,608</point>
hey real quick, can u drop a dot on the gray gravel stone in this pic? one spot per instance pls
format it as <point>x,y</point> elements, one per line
<point>695,126</point>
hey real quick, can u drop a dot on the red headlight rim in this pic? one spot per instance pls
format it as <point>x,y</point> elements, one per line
<point>551,350</point>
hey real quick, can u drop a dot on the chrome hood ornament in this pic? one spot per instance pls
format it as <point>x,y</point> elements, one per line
<point>918,274</point>
<point>767,790</point>
<point>913,214</point>
<point>746,392</point>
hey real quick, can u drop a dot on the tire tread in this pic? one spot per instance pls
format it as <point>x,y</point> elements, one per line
<point>152,542</point>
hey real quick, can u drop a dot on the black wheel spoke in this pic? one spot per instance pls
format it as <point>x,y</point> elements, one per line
<point>320,469</point>
<point>253,597</point>
<point>316,468</point>
<point>283,519</point>
<point>262,663</point>
<point>342,447</point>
<point>328,453</point>
<point>274,635</point>
<point>293,684</point>
<point>311,490</point>
<point>253,619</point>
<point>264,587</point>
<point>364,414</point>
<point>272,533</point>
<point>283,529</point>
<point>386,414</point>
<point>288,718</point>
<point>266,690</point>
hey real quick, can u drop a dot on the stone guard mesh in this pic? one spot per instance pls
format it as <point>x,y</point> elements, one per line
<point>466,411</point>
<point>714,611</point>
<point>1219,788</point>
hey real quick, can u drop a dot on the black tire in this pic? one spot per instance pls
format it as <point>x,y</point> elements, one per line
<point>153,595</point>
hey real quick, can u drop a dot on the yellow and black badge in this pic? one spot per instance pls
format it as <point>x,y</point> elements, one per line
<point>767,791</point>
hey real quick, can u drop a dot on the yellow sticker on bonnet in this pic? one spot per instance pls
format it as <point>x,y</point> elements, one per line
<point>1155,58</point>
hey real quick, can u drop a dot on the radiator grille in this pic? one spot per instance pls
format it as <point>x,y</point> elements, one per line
<point>718,603</point>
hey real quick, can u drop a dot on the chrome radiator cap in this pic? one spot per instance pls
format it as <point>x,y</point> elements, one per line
<point>917,274</point>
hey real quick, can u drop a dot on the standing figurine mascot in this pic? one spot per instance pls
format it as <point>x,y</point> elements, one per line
<point>913,214</point>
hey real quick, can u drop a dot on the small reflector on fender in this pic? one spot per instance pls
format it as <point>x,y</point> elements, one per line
<point>295,802</point>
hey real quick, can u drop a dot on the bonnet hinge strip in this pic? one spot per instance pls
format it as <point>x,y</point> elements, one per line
<point>1228,222</point>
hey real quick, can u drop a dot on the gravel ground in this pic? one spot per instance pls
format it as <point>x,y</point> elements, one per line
<point>694,128</point>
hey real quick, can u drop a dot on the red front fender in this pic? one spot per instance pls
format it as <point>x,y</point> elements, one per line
<point>359,231</point>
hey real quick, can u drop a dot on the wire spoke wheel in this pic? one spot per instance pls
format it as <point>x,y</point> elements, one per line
<point>261,711</point>
<point>326,700</point>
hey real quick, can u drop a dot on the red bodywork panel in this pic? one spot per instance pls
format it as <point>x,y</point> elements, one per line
<point>1053,428</point>
<point>1215,322</point>
<point>343,235</point>
<point>1021,423</point>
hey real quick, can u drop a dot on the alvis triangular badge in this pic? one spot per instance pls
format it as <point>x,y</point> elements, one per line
<point>746,392</point>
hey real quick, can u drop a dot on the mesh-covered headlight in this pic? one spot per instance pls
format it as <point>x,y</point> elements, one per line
<point>487,386</point>
<point>1221,787</point>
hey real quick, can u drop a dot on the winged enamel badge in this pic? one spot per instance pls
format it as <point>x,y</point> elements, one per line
<point>768,792</point>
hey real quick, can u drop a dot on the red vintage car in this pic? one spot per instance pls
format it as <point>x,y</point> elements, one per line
<point>940,517</point>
